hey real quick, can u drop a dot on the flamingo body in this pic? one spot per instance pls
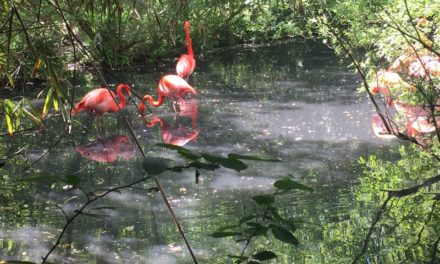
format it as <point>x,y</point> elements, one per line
<point>186,63</point>
<point>380,130</point>
<point>102,100</point>
<point>170,86</point>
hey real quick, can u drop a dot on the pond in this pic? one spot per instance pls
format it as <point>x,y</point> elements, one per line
<point>294,101</point>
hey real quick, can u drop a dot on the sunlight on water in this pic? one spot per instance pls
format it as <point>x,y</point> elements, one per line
<point>301,106</point>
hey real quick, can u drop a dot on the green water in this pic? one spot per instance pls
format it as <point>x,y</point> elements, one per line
<point>294,101</point>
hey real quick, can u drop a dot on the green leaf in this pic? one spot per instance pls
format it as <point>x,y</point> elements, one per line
<point>173,147</point>
<point>225,234</point>
<point>11,80</point>
<point>284,235</point>
<point>39,178</point>
<point>188,155</point>
<point>264,255</point>
<point>228,227</point>
<point>33,113</point>
<point>246,157</point>
<point>9,112</point>
<point>47,102</point>
<point>264,199</point>
<point>256,229</point>
<point>246,218</point>
<point>288,223</point>
<point>288,184</point>
<point>73,180</point>
<point>225,162</point>
<point>205,166</point>
<point>155,166</point>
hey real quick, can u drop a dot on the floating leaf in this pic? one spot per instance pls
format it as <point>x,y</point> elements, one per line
<point>73,180</point>
<point>225,234</point>
<point>264,199</point>
<point>246,157</point>
<point>155,166</point>
<point>288,184</point>
<point>264,255</point>
<point>284,235</point>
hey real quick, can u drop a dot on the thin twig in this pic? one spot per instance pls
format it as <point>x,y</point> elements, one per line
<point>47,152</point>
<point>370,230</point>
<point>434,250</point>
<point>175,220</point>
<point>80,211</point>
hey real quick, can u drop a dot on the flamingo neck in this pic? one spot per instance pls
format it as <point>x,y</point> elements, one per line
<point>151,101</point>
<point>122,101</point>
<point>155,120</point>
<point>188,40</point>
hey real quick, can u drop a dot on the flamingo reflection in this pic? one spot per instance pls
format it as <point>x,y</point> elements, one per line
<point>178,134</point>
<point>108,149</point>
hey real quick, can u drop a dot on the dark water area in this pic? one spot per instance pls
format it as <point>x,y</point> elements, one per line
<point>294,101</point>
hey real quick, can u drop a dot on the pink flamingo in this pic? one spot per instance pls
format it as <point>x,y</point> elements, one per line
<point>186,63</point>
<point>380,130</point>
<point>416,117</point>
<point>102,100</point>
<point>170,86</point>
<point>188,108</point>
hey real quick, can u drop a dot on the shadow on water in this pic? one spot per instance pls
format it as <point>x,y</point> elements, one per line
<point>294,101</point>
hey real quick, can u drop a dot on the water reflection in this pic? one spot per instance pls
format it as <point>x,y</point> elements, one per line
<point>178,132</point>
<point>108,149</point>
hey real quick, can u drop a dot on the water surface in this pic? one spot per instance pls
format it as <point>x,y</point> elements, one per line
<point>293,101</point>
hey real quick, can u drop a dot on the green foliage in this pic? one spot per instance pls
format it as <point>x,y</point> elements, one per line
<point>211,162</point>
<point>259,223</point>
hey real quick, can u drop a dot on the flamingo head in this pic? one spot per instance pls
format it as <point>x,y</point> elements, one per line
<point>126,88</point>
<point>187,89</point>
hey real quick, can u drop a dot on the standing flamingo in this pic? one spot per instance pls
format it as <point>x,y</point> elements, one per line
<point>186,63</point>
<point>102,100</point>
<point>171,86</point>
